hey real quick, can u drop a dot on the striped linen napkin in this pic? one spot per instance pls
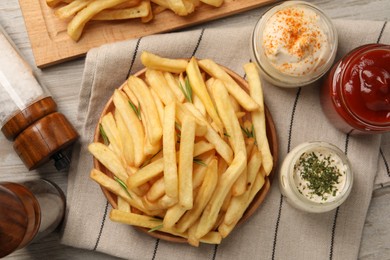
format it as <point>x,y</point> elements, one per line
<point>276,230</point>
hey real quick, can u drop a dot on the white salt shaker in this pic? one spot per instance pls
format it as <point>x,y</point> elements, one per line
<point>28,113</point>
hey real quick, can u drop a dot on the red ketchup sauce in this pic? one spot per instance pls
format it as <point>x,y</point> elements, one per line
<point>356,93</point>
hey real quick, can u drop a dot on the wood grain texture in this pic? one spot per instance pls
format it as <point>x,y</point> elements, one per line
<point>64,80</point>
<point>51,44</point>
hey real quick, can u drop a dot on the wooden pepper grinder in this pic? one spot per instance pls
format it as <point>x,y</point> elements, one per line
<point>28,114</point>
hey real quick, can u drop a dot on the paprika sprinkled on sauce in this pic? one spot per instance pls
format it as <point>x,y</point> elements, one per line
<point>356,94</point>
<point>294,44</point>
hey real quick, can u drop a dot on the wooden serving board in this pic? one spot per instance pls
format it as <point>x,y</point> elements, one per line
<point>51,44</point>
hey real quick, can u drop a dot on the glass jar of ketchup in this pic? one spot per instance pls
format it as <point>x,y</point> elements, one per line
<point>356,93</point>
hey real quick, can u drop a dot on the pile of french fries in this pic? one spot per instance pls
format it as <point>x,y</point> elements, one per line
<point>187,147</point>
<point>80,12</point>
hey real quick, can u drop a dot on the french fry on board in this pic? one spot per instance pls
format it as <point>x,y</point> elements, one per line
<point>141,10</point>
<point>76,25</point>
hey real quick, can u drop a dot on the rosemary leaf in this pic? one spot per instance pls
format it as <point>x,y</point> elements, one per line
<point>156,228</point>
<point>148,160</point>
<point>104,135</point>
<point>248,133</point>
<point>187,90</point>
<point>137,110</point>
<point>226,134</point>
<point>123,185</point>
<point>200,162</point>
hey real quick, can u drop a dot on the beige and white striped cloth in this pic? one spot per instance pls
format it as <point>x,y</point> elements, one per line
<point>276,230</point>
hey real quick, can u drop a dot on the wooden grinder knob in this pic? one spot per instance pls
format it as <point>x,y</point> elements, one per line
<point>39,133</point>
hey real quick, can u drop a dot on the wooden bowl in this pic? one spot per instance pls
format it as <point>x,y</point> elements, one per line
<point>258,199</point>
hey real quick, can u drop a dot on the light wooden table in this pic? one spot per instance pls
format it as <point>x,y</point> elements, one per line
<point>63,81</point>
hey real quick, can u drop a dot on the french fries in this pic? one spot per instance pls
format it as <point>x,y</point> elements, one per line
<point>209,160</point>
<point>80,12</point>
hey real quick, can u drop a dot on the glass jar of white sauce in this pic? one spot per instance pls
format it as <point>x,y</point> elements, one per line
<point>315,177</point>
<point>294,44</point>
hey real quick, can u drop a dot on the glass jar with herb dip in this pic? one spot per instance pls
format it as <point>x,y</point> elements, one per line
<point>294,44</point>
<point>315,177</point>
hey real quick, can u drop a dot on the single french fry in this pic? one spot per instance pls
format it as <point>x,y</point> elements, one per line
<point>202,198</point>
<point>199,105</point>
<point>237,204</point>
<point>77,24</point>
<point>127,4</point>
<point>173,214</point>
<point>123,204</point>
<point>148,106</point>
<point>199,170</point>
<point>258,117</point>
<point>54,3</point>
<point>169,152</point>
<point>233,130</point>
<point>157,82</point>
<point>210,213</point>
<point>109,159</point>
<point>174,86</point>
<point>178,7</point>
<point>150,16</point>
<point>159,105</point>
<point>133,125</point>
<point>110,129</point>
<point>216,3</point>
<point>192,240</point>
<point>199,87</point>
<point>127,140</point>
<point>156,62</point>
<point>157,190</point>
<point>71,9</point>
<point>142,10</point>
<point>186,157</point>
<point>231,85</point>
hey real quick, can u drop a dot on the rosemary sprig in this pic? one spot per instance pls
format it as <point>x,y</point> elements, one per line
<point>187,90</point>
<point>148,160</point>
<point>104,135</point>
<point>226,134</point>
<point>248,133</point>
<point>137,110</point>
<point>123,185</point>
<point>156,228</point>
<point>200,162</point>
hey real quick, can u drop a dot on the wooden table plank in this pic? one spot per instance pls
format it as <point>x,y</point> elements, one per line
<point>51,44</point>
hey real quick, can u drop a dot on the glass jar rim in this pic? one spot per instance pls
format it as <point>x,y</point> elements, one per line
<point>299,150</point>
<point>275,75</point>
